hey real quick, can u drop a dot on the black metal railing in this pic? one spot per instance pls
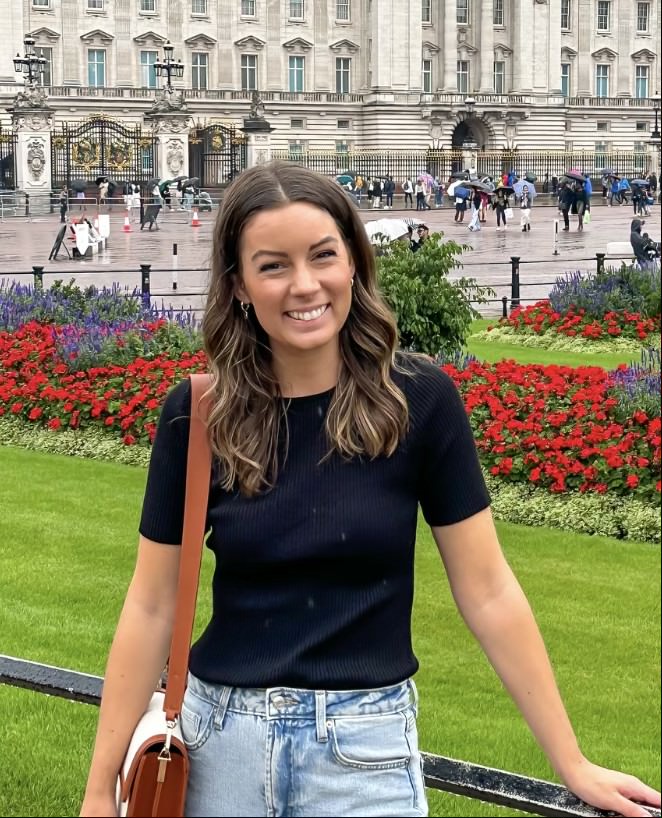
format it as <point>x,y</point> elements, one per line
<point>487,784</point>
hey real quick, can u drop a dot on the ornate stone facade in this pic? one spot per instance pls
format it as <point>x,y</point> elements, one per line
<point>567,74</point>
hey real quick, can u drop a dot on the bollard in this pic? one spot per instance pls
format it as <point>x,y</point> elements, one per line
<point>174,266</point>
<point>504,307</point>
<point>145,271</point>
<point>27,204</point>
<point>556,237</point>
<point>514,281</point>
<point>38,277</point>
<point>600,262</point>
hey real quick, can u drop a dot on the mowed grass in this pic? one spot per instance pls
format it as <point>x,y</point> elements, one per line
<point>492,351</point>
<point>67,547</point>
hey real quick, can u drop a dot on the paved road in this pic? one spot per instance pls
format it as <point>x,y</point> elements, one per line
<point>24,243</point>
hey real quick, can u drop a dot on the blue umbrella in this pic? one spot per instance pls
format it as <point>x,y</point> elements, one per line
<point>518,187</point>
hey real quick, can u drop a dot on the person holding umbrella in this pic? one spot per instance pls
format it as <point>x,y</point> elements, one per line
<point>500,203</point>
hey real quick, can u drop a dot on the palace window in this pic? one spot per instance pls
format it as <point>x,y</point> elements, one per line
<point>498,13</point>
<point>199,70</point>
<point>296,71</point>
<point>249,72</point>
<point>426,76</point>
<point>499,77</point>
<point>565,15</point>
<point>604,14</point>
<point>296,9</point>
<point>462,12</point>
<point>565,79</point>
<point>343,10</point>
<point>463,76</point>
<point>641,81</point>
<point>426,11</point>
<point>643,15</point>
<point>199,7</point>
<point>147,70</point>
<point>248,8</point>
<point>96,67</point>
<point>343,75</point>
<point>602,80</point>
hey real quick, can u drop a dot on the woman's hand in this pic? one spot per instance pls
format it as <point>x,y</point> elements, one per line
<point>611,790</point>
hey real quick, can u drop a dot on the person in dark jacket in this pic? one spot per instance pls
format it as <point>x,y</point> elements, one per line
<point>643,247</point>
<point>566,200</point>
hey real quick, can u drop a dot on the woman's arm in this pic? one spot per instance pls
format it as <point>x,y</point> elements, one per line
<point>496,610</point>
<point>137,657</point>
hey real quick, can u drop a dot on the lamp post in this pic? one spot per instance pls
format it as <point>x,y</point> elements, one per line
<point>30,64</point>
<point>656,137</point>
<point>169,67</point>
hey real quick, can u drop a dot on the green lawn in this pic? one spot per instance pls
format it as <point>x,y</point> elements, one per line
<point>496,351</point>
<point>68,534</point>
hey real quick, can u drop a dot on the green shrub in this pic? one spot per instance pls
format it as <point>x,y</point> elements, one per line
<point>433,314</point>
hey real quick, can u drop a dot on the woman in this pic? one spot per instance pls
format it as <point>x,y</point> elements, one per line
<point>500,203</point>
<point>300,698</point>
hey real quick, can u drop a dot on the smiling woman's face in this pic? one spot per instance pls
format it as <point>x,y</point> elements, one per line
<point>296,272</point>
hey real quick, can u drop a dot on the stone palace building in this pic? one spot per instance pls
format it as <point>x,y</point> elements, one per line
<point>340,76</point>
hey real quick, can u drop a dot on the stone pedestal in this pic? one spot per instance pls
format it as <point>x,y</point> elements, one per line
<point>171,130</point>
<point>258,141</point>
<point>33,126</point>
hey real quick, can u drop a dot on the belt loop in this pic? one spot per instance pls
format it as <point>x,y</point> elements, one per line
<point>222,706</point>
<point>320,715</point>
<point>414,692</point>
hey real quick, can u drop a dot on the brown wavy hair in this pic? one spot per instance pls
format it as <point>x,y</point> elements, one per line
<point>368,413</point>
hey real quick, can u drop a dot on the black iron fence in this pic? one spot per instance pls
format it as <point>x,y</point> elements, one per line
<point>7,159</point>
<point>442,163</point>
<point>487,784</point>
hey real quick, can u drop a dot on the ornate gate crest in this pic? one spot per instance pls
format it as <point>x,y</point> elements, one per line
<point>100,146</point>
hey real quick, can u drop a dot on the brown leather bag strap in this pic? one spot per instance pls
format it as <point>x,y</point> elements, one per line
<point>198,471</point>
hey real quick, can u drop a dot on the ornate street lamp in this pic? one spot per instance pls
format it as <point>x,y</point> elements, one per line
<point>30,64</point>
<point>169,67</point>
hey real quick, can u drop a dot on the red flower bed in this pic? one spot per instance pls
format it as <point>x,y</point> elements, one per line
<point>36,385</point>
<point>552,426</point>
<point>541,317</point>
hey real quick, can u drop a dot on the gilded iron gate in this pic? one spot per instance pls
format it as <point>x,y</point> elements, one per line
<point>7,159</point>
<point>217,153</point>
<point>100,146</point>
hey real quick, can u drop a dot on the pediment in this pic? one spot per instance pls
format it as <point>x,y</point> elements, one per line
<point>250,43</point>
<point>298,44</point>
<point>643,55</point>
<point>200,41</point>
<point>43,33</point>
<point>430,48</point>
<point>605,54</point>
<point>502,49</point>
<point>150,38</point>
<point>97,36</point>
<point>344,47</point>
<point>568,53</point>
<point>466,48</point>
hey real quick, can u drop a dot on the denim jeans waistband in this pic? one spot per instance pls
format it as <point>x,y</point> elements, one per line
<point>292,702</point>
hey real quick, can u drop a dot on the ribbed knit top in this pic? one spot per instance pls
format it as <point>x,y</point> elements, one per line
<point>314,579</point>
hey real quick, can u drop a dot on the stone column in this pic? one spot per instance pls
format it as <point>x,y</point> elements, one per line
<point>554,50</point>
<point>623,83</point>
<point>258,135</point>
<point>171,131</point>
<point>33,125</point>
<point>487,47</point>
<point>585,67</point>
<point>450,51</point>
<point>523,37</point>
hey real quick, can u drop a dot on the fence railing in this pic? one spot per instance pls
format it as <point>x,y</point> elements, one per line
<point>487,784</point>
<point>144,273</point>
<point>401,164</point>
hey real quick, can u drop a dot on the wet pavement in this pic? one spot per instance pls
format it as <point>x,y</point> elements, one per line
<point>24,243</point>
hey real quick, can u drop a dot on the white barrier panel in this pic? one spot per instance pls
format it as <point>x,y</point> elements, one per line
<point>104,225</point>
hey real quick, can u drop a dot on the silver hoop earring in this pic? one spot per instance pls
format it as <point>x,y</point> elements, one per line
<point>244,309</point>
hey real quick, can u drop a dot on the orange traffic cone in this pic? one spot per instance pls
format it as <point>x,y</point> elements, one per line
<point>195,221</point>
<point>127,225</point>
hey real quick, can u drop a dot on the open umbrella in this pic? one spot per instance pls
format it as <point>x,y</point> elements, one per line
<point>426,177</point>
<point>518,188</point>
<point>112,186</point>
<point>530,177</point>
<point>507,189</point>
<point>345,179</point>
<point>152,183</point>
<point>392,229</point>
<point>100,179</point>
<point>640,182</point>
<point>192,181</point>
<point>78,185</point>
<point>575,175</point>
<point>459,174</point>
<point>607,172</point>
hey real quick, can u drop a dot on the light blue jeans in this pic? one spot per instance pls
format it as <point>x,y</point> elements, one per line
<point>290,752</point>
